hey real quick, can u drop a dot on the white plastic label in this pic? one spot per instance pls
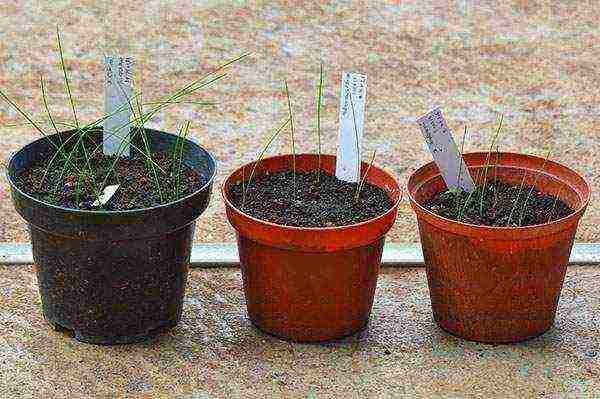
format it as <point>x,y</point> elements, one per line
<point>354,92</point>
<point>118,90</point>
<point>444,150</point>
<point>109,191</point>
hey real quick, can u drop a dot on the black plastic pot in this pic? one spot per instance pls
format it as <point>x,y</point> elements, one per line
<point>112,276</point>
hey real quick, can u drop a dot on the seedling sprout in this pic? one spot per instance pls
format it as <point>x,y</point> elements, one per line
<point>290,120</point>
<point>362,182</point>
<point>319,106</point>
<point>260,157</point>
<point>291,117</point>
<point>77,157</point>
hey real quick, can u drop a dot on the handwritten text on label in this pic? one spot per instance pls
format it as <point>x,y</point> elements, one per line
<point>354,92</point>
<point>439,139</point>
<point>117,98</point>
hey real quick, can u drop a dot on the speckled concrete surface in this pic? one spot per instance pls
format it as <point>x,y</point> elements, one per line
<point>215,352</point>
<point>534,61</point>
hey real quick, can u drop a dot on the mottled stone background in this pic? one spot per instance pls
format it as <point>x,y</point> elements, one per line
<point>533,61</point>
<point>216,353</point>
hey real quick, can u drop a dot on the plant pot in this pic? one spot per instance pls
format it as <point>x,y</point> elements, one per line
<point>112,276</point>
<point>310,284</point>
<point>498,284</point>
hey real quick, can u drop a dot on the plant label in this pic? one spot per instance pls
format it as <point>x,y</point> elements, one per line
<point>444,150</point>
<point>352,115</point>
<point>107,194</point>
<point>118,89</point>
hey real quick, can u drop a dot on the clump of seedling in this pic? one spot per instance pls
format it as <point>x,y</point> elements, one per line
<point>77,173</point>
<point>260,157</point>
<point>362,181</point>
<point>356,140</point>
<point>315,198</point>
<point>319,107</point>
<point>495,202</point>
<point>290,121</point>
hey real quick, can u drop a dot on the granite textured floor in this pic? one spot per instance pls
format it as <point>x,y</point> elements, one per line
<point>215,352</point>
<point>534,61</point>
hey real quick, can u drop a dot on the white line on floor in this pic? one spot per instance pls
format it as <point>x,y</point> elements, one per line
<point>226,254</point>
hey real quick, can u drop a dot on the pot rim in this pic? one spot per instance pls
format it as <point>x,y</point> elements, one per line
<point>574,216</point>
<point>123,212</point>
<point>230,205</point>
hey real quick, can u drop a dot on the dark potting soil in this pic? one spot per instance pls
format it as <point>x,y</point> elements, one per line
<point>272,197</point>
<point>503,205</point>
<point>138,186</point>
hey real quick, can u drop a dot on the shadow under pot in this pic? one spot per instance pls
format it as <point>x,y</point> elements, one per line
<point>112,276</point>
<point>309,284</point>
<point>498,284</point>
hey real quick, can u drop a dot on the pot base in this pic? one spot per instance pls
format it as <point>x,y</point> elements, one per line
<point>111,340</point>
<point>314,339</point>
<point>493,338</point>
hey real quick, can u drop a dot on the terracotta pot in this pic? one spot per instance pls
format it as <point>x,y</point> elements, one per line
<point>310,284</point>
<point>498,284</point>
<point>112,277</point>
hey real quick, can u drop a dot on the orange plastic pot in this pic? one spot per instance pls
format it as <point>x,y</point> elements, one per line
<point>310,284</point>
<point>498,284</point>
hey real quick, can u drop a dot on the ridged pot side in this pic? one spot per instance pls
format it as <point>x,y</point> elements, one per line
<point>112,276</point>
<point>498,284</point>
<point>310,284</point>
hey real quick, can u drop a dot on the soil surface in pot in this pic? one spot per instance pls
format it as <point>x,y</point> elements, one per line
<point>272,197</point>
<point>76,186</point>
<point>502,205</point>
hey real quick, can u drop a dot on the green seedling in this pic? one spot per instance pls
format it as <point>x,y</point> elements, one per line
<point>83,131</point>
<point>496,175</point>
<point>319,106</point>
<point>80,176</point>
<point>517,200</point>
<point>70,157</point>
<point>362,182</point>
<point>244,179</point>
<point>481,176</point>
<point>182,139</point>
<point>72,103</point>
<point>460,153</point>
<point>470,196</point>
<point>36,126</point>
<point>290,120</point>
<point>487,160</point>
<point>25,115</point>
<point>458,175</point>
<point>200,103</point>
<point>47,108</point>
<point>553,209</point>
<point>60,151</point>
<point>356,141</point>
<point>174,98</point>
<point>66,77</point>
<point>291,117</point>
<point>537,176</point>
<point>27,124</point>
<point>513,200</point>
<point>260,157</point>
<point>150,165</point>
